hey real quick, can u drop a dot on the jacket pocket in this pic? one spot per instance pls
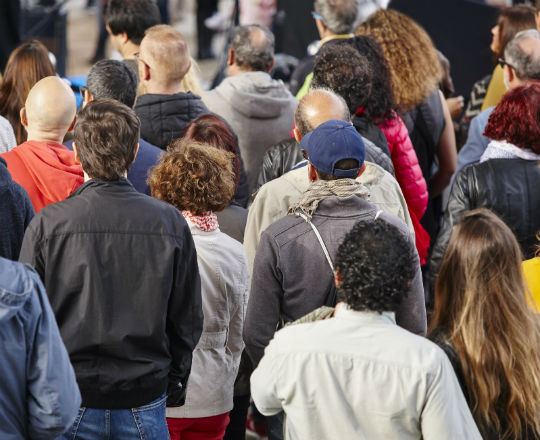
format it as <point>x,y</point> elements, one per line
<point>211,340</point>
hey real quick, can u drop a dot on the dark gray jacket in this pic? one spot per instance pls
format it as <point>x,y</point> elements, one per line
<point>291,275</point>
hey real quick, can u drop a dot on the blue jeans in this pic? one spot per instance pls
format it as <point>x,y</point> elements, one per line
<point>146,422</point>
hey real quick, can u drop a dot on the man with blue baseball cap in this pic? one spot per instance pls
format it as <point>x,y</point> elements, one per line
<point>293,267</point>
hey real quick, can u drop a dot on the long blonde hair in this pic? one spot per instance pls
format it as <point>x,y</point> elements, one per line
<point>481,300</point>
<point>414,62</point>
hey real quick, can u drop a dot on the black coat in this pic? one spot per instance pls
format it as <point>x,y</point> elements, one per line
<point>508,187</point>
<point>16,211</point>
<point>165,117</point>
<point>121,273</point>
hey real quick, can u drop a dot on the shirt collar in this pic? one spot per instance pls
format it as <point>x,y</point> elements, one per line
<point>343,311</point>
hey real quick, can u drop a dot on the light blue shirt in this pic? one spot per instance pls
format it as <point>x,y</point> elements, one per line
<point>476,141</point>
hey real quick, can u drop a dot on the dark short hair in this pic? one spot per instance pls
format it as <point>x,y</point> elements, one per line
<point>106,134</point>
<point>376,264</point>
<point>194,177</point>
<point>339,16</point>
<point>343,164</point>
<point>516,119</point>
<point>343,70</point>
<point>379,104</point>
<point>252,54</point>
<point>131,16</point>
<point>113,79</point>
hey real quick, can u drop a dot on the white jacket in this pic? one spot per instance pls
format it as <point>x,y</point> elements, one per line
<point>360,376</point>
<point>224,288</point>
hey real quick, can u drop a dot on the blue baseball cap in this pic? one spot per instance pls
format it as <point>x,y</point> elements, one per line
<point>332,141</point>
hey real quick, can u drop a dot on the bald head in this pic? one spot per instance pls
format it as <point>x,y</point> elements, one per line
<point>164,57</point>
<point>50,107</point>
<point>318,106</point>
<point>252,49</point>
<point>522,53</point>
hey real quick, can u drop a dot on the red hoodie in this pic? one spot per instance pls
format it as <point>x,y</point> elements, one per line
<point>47,171</point>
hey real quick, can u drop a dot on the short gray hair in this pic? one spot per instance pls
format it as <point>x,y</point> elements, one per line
<point>113,79</point>
<point>251,52</point>
<point>525,64</point>
<point>339,16</point>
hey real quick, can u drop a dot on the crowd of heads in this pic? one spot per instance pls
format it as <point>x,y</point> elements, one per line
<point>390,68</point>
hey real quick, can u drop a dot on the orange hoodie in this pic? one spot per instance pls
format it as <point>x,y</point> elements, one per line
<point>47,171</point>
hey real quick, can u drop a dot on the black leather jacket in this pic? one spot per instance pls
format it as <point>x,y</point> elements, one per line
<point>508,187</point>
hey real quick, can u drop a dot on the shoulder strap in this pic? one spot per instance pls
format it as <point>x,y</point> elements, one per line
<point>321,242</point>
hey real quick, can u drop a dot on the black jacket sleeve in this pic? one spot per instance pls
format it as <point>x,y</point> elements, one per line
<point>184,319</point>
<point>459,202</point>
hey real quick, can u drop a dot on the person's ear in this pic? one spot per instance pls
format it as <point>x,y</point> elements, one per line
<point>145,72</point>
<point>297,134</point>
<point>123,37</point>
<point>87,97</point>
<point>230,57</point>
<point>24,119</point>
<point>337,278</point>
<point>271,65</point>
<point>312,173</point>
<point>361,170</point>
<point>511,74</point>
<point>72,124</point>
<point>321,27</point>
<point>76,152</point>
<point>135,153</point>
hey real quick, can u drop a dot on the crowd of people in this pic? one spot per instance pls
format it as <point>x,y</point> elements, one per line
<point>185,263</point>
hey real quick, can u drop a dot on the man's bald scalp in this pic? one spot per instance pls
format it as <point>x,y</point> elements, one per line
<point>318,106</point>
<point>50,105</point>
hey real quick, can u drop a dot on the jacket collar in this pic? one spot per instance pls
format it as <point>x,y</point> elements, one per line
<point>119,185</point>
<point>343,311</point>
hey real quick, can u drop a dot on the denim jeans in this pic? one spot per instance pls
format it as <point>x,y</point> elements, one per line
<point>146,422</point>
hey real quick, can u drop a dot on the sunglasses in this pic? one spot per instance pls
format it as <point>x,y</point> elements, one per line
<point>502,63</point>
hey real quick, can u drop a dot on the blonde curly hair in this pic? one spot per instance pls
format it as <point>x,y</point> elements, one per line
<point>414,63</point>
<point>194,177</point>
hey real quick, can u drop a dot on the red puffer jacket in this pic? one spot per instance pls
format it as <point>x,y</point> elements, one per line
<point>409,176</point>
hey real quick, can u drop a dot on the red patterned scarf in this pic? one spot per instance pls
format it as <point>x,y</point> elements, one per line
<point>206,222</point>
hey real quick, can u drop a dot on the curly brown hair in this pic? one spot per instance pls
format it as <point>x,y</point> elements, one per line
<point>194,177</point>
<point>414,62</point>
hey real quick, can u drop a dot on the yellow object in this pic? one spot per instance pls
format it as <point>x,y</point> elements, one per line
<point>496,89</point>
<point>531,273</point>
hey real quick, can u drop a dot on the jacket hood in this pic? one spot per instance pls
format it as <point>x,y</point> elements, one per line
<point>15,288</point>
<point>256,95</point>
<point>46,163</point>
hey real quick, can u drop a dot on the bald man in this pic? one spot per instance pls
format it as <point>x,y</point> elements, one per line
<point>45,168</point>
<point>259,108</point>
<point>165,110</point>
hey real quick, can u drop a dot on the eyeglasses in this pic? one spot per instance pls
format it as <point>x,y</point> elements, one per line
<point>138,58</point>
<point>315,15</point>
<point>305,154</point>
<point>83,90</point>
<point>503,63</point>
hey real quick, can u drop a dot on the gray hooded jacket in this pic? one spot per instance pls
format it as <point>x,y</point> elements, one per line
<point>259,109</point>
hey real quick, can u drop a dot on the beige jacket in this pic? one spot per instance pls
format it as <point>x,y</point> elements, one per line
<point>224,287</point>
<point>274,198</point>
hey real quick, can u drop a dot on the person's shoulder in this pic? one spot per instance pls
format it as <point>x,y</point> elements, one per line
<point>18,282</point>
<point>148,150</point>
